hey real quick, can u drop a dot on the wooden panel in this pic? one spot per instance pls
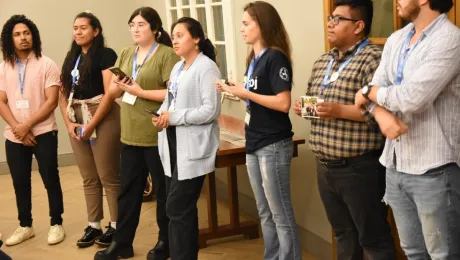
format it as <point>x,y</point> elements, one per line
<point>378,41</point>
<point>457,13</point>
<point>328,7</point>
<point>396,20</point>
<point>452,13</point>
<point>399,252</point>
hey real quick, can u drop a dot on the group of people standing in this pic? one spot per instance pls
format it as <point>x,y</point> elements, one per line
<point>109,122</point>
<point>147,110</point>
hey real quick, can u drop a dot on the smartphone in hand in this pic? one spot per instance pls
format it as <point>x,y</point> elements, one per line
<point>152,112</point>
<point>118,72</point>
<point>228,83</point>
<point>78,131</point>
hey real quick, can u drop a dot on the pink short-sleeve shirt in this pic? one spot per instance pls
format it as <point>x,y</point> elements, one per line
<point>40,73</point>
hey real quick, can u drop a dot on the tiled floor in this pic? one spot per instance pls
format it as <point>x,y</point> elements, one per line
<point>75,222</point>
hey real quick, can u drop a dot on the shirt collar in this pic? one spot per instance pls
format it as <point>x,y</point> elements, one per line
<point>334,53</point>
<point>31,56</point>
<point>431,28</point>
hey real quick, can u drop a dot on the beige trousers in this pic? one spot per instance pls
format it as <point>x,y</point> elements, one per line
<point>99,164</point>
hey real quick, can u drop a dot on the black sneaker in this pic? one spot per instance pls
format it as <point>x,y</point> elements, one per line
<point>106,239</point>
<point>91,234</point>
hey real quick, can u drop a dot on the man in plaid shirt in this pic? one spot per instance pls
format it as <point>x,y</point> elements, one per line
<point>346,140</point>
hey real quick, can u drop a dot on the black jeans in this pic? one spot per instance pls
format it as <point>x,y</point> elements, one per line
<point>19,159</point>
<point>352,192</point>
<point>181,208</point>
<point>136,163</point>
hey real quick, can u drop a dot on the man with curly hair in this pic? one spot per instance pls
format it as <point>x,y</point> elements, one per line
<point>29,85</point>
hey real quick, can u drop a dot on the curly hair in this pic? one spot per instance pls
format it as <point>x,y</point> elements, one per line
<point>6,38</point>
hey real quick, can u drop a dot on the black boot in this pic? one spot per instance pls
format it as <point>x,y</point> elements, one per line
<point>91,234</point>
<point>106,239</point>
<point>159,252</point>
<point>114,251</point>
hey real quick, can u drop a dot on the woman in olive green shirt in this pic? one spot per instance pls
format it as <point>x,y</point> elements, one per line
<point>148,65</point>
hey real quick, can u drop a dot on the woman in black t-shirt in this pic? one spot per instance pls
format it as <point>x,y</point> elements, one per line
<point>93,122</point>
<point>269,134</point>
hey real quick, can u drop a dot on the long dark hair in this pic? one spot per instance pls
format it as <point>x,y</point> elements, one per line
<point>7,43</point>
<point>153,18</point>
<point>75,50</point>
<point>274,34</point>
<point>196,30</point>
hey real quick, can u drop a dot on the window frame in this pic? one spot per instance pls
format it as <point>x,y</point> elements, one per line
<point>229,42</point>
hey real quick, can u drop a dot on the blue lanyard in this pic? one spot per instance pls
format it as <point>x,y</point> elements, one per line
<point>326,79</point>
<point>406,51</point>
<point>21,75</point>
<point>75,75</point>
<point>175,81</point>
<point>135,71</point>
<point>252,67</point>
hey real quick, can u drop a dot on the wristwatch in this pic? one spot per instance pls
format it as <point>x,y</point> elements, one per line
<point>365,91</point>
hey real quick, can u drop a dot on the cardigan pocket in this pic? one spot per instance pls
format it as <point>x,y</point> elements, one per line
<point>199,143</point>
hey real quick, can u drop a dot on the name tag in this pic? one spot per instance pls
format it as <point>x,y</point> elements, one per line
<point>22,104</point>
<point>172,108</point>
<point>247,118</point>
<point>128,98</point>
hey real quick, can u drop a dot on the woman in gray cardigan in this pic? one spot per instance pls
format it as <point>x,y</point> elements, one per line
<point>190,140</point>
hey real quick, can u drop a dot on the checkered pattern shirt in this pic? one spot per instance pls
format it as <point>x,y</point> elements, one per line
<point>341,138</point>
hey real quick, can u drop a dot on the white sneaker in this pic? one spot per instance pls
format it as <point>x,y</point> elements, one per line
<point>56,235</point>
<point>20,235</point>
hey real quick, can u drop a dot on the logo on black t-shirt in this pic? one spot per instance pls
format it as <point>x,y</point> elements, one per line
<point>284,74</point>
<point>253,83</point>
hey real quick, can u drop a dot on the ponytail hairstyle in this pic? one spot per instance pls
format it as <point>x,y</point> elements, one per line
<point>196,30</point>
<point>153,18</point>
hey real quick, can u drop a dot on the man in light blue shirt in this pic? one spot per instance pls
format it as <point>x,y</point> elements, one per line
<point>418,80</point>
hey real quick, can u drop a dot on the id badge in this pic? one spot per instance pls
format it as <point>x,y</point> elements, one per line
<point>247,118</point>
<point>172,108</point>
<point>128,98</point>
<point>93,136</point>
<point>22,104</point>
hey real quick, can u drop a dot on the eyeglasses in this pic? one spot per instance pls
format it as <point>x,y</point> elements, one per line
<point>134,27</point>
<point>336,19</point>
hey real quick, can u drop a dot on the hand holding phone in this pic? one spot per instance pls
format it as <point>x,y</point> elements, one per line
<point>228,83</point>
<point>119,73</point>
<point>152,112</point>
<point>78,131</point>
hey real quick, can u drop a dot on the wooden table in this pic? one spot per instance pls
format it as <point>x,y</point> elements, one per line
<point>229,156</point>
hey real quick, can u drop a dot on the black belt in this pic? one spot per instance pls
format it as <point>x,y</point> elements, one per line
<point>348,161</point>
